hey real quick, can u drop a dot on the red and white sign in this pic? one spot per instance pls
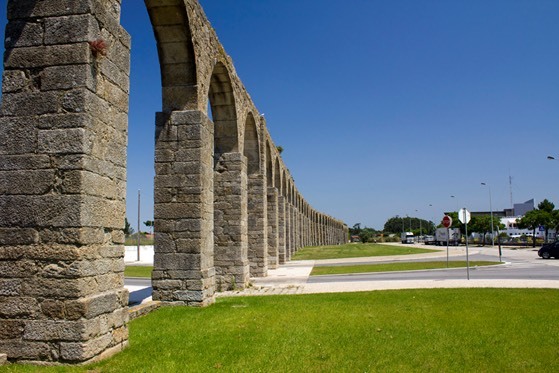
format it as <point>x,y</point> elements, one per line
<point>447,221</point>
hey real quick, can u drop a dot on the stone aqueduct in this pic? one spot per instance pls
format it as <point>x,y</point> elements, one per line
<point>226,207</point>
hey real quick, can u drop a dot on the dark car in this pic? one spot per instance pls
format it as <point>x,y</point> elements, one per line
<point>549,250</point>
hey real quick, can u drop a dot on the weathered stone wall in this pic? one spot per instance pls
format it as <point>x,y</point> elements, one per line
<point>273,227</point>
<point>258,226</point>
<point>226,207</point>
<point>184,243</point>
<point>63,135</point>
<point>231,223</point>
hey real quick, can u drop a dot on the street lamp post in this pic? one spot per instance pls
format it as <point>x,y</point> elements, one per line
<point>491,212</point>
<point>434,219</point>
<point>420,228</point>
<point>138,249</point>
<point>551,158</point>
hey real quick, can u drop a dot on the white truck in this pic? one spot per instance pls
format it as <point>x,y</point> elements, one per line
<point>454,236</point>
<point>407,237</point>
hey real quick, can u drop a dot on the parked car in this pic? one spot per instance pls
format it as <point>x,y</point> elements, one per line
<point>549,250</point>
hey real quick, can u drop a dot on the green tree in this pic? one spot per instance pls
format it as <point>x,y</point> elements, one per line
<point>546,205</point>
<point>393,225</point>
<point>366,234</point>
<point>149,224</point>
<point>555,220</point>
<point>532,220</point>
<point>554,223</point>
<point>482,224</point>
<point>128,230</point>
<point>406,224</point>
<point>355,230</point>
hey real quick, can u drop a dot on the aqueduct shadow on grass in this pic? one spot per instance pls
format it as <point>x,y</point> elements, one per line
<point>226,207</point>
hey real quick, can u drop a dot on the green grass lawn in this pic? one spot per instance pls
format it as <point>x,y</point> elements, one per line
<point>138,271</point>
<point>434,330</point>
<point>390,267</point>
<point>356,250</point>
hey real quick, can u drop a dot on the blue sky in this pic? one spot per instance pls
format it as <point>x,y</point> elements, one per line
<point>382,107</point>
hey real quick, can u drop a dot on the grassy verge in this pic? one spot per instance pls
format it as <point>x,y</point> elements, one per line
<point>355,250</point>
<point>436,330</point>
<point>133,240</point>
<point>138,271</point>
<point>390,267</point>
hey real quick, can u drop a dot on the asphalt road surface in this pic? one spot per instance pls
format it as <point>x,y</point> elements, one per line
<point>514,268</point>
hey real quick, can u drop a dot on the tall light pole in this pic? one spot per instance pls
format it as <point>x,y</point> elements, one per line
<point>434,219</point>
<point>456,202</point>
<point>420,229</point>
<point>551,158</point>
<point>138,251</point>
<point>491,212</point>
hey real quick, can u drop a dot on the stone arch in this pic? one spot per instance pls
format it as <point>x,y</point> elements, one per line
<point>171,27</point>
<point>285,189</point>
<point>269,166</point>
<point>277,175</point>
<point>251,145</point>
<point>224,113</point>
<point>229,184</point>
<point>257,200</point>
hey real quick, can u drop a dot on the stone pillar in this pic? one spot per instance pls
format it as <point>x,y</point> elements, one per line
<point>317,229</point>
<point>322,231</point>
<point>183,265</point>
<point>63,141</point>
<point>273,228</point>
<point>303,235</point>
<point>311,230</point>
<point>230,222</point>
<point>282,229</point>
<point>306,236</point>
<point>312,225</point>
<point>288,231</point>
<point>257,226</point>
<point>300,229</point>
<point>296,231</point>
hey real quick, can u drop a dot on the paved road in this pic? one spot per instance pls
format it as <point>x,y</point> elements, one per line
<point>502,272</point>
<point>512,269</point>
<point>521,268</point>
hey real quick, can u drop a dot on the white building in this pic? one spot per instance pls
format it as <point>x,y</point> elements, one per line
<point>512,230</point>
